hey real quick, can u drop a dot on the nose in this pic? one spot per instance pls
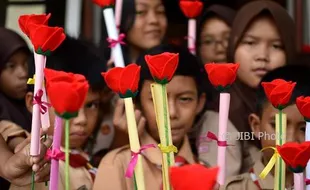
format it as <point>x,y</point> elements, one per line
<point>173,110</point>
<point>219,48</point>
<point>81,119</point>
<point>262,53</point>
<point>291,134</point>
<point>152,17</point>
<point>22,72</point>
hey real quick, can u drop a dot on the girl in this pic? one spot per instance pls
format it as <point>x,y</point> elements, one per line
<point>262,39</point>
<point>14,54</point>
<point>144,23</point>
<point>213,33</point>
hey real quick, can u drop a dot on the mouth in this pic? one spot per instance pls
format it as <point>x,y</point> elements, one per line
<point>175,131</point>
<point>260,72</point>
<point>79,134</point>
<point>154,33</point>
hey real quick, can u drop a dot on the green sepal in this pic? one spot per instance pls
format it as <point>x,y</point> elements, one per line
<point>223,88</point>
<point>128,94</point>
<point>67,115</point>
<point>41,52</point>
<point>161,81</point>
<point>298,169</point>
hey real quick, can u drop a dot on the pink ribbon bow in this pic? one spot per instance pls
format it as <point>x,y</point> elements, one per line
<point>307,181</point>
<point>114,42</point>
<point>212,136</point>
<point>55,154</point>
<point>134,159</point>
<point>37,100</point>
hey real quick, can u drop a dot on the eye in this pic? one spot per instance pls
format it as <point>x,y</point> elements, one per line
<point>141,12</point>
<point>186,99</point>
<point>277,46</point>
<point>160,10</point>
<point>10,65</point>
<point>249,42</point>
<point>92,105</point>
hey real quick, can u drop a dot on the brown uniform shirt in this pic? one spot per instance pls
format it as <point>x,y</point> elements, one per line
<point>247,181</point>
<point>112,169</point>
<point>239,158</point>
<point>80,179</point>
<point>10,130</point>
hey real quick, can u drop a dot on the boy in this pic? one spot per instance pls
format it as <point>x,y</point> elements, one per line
<point>73,56</point>
<point>263,122</point>
<point>186,100</point>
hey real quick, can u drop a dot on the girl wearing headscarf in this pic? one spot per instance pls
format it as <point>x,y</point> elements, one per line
<point>14,55</point>
<point>262,39</point>
<point>213,33</point>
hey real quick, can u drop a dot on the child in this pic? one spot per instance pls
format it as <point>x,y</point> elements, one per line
<point>14,54</point>
<point>144,23</point>
<point>262,39</point>
<point>186,100</point>
<point>73,56</point>
<point>263,122</point>
<point>213,33</point>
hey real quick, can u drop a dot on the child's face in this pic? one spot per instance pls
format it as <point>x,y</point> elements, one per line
<point>214,40</point>
<point>13,78</point>
<point>264,127</point>
<point>184,104</point>
<point>83,125</point>
<point>149,26</point>
<point>259,51</point>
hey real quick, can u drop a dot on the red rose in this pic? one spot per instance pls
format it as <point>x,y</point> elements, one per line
<point>66,91</point>
<point>46,39</point>
<point>104,3</point>
<point>303,105</point>
<point>191,9</point>
<point>25,21</point>
<point>123,81</point>
<point>222,75</point>
<point>162,66</point>
<point>295,155</point>
<point>194,176</point>
<point>279,92</point>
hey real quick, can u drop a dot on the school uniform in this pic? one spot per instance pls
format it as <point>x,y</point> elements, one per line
<point>81,174</point>
<point>251,180</point>
<point>112,169</point>
<point>9,130</point>
<point>240,154</point>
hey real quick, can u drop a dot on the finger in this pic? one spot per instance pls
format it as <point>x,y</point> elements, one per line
<point>44,146</point>
<point>141,125</point>
<point>118,111</point>
<point>22,145</point>
<point>43,174</point>
<point>38,166</point>
<point>138,115</point>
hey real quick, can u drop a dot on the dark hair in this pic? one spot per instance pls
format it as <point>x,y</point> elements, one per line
<point>188,66</point>
<point>294,73</point>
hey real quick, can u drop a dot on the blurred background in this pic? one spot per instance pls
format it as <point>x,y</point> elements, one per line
<point>82,19</point>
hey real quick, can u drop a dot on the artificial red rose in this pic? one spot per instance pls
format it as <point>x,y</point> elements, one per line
<point>191,9</point>
<point>279,92</point>
<point>303,105</point>
<point>104,3</point>
<point>295,155</point>
<point>124,81</point>
<point>162,66</point>
<point>46,39</point>
<point>66,91</point>
<point>26,21</point>
<point>222,75</point>
<point>194,176</point>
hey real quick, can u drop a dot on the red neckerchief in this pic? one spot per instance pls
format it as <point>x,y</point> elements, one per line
<point>77,161</point>
<point>254,178</point>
